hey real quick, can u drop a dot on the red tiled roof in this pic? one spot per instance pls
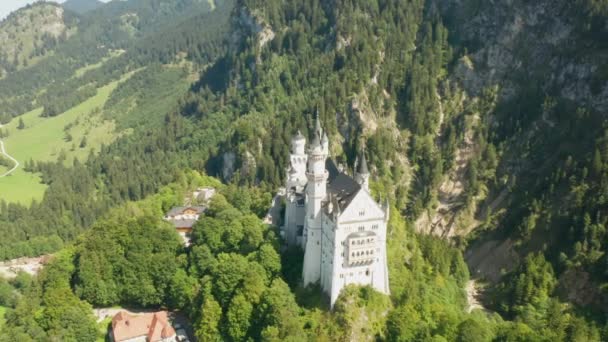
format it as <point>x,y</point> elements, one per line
<point>154,325</point>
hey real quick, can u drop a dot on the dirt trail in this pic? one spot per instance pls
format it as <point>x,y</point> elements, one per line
<point>3,151</point>
<point>473,295</point>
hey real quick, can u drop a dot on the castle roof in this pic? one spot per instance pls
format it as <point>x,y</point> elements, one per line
<point>342,187</point>
<point>299,136</point>
<point>362,167</point>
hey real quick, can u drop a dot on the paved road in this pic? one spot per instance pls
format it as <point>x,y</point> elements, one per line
<point>3,151</point>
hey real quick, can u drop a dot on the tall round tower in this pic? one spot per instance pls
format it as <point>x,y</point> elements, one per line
<point>296,172</point>
<point>316,191</point>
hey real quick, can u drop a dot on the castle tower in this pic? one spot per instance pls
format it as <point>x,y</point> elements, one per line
<point>296,173</point>
<point>295,181</point>
<point>362,174</point>
<point>316,192</point>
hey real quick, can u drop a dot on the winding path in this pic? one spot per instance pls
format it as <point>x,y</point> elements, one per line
<point>3,151</point>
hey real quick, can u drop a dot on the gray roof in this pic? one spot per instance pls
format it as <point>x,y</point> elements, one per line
<point>362,167</point>
<point>332,169</point>
<point>342,187</point>
<point>183,223</point>
<point>178,210</point>
<point>299,136</point>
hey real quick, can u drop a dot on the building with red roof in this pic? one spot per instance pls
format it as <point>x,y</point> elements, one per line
<point>149,327</point>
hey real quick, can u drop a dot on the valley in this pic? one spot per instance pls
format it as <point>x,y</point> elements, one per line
<point>67,136</point>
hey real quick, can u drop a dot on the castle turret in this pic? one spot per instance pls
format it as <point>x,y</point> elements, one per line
<point>298,144</point>
<point>294,185</point>
<point>362,174</point>
<point>296,173</point>
<point>316,192</point>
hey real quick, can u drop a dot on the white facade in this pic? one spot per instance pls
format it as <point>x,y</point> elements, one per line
<point>332,216</point>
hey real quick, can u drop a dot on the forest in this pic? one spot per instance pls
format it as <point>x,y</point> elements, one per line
<point>344,60</point>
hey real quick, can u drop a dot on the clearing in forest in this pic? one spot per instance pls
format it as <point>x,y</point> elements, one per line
<point>71,134</point>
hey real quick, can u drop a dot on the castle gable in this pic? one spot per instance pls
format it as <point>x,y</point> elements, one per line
<point>361,207</point>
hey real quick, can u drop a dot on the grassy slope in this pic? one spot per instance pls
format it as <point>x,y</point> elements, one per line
<point>2,312</point>
<point>44,138</point>
<point>80,72</point>
<point>153,99</point>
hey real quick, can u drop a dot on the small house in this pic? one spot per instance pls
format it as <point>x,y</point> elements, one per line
<point>149,327</point>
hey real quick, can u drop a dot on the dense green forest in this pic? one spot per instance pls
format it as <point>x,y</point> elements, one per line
<point>235,285</point>
<point>387,75</point>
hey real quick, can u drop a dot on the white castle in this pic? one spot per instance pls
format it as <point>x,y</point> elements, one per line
<point>332,216</point>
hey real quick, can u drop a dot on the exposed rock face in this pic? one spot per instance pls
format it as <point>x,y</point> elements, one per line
<point>512,42</point>
<point>25,32</point>
<point>228,165</point>
<point>576,287</point>
<point>491,259</point>
<point>248,165</point>
<point>521,37</point>
<point>250,23</point>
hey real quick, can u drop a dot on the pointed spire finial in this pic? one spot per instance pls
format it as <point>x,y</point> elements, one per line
<point>318,129</point>
<point>362,167</point>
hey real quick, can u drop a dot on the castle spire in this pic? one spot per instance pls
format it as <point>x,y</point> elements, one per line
<point>318,132</point>
<point>362,173</point>
<point>362,167</point>
<point>318,128</point>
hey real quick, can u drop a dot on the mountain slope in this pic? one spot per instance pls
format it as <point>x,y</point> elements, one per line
<point>32,33</point>
<point>82,6</point>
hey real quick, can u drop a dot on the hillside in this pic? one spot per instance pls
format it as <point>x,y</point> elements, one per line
<point>31,34</point>
<point>81,6</point>
<point>484,124</point>
<point>63,100</point>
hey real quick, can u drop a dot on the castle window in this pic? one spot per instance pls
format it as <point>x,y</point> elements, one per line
<point>362,228</point>
<point>362,213</point>
<point>367,272</point>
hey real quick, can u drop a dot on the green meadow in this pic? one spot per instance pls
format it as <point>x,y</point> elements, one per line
<point>45,139</point>
<point>2,313</point>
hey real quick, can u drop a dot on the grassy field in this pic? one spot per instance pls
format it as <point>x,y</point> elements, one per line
<point>103,329</point>
<point>45,139</point>
<point>2,312</point>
